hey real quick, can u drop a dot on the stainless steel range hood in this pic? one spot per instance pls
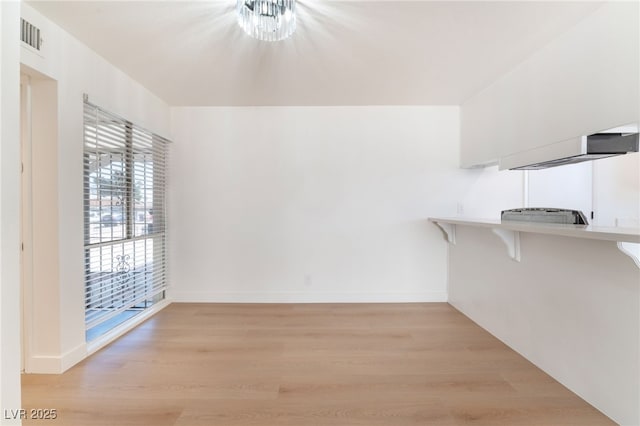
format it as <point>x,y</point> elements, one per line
<point>618,141</point>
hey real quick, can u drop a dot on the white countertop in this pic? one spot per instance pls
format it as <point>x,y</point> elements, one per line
<point>631,235</point>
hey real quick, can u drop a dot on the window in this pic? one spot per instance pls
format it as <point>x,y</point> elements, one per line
<point>124,206</point>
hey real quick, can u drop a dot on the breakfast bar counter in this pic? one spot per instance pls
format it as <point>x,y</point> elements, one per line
<point>627,239</point>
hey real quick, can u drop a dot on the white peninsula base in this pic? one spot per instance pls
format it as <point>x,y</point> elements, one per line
<point>569,304</point>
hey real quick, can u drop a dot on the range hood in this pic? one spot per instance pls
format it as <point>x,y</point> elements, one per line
<point>617,141</point>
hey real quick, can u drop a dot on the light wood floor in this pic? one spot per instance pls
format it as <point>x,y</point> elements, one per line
<point>307,365</point>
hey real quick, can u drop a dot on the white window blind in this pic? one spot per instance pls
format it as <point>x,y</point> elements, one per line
<point>125,171</point>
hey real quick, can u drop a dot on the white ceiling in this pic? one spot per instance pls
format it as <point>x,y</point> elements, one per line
<point>343,52</point>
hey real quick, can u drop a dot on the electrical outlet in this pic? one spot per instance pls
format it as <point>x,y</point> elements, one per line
<point>460,208</point>
<point>307,280</point>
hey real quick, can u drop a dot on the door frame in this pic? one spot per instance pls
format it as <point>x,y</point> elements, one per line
<point>26,223</point>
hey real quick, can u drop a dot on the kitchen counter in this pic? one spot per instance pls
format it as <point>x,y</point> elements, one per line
<point>627,239</point>
<point>630,235</point>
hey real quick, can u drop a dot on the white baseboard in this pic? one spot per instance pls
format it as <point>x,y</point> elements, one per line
<point>74,356</point>
<point>305,297</point>
<point>43,364</point>
<point>58,364</point>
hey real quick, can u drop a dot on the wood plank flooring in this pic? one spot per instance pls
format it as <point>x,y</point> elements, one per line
<point>307,365</point>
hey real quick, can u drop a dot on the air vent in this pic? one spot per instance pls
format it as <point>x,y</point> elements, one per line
<point>30,34</point>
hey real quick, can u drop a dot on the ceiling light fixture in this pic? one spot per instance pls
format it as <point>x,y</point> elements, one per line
<point>268,20</point>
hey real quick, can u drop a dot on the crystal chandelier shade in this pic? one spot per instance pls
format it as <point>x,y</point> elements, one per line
<point>268,20</point>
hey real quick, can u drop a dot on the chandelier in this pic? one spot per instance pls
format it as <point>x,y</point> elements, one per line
<point>268,20</point>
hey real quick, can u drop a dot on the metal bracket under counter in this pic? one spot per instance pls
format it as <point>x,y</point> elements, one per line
<point>509,234</point>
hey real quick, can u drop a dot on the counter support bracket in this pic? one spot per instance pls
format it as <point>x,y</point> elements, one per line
<point>449,230</point>
<point>511,239</point>
<point>632,250</point>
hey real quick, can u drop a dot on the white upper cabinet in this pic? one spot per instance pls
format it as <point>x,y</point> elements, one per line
<point>585,81</point>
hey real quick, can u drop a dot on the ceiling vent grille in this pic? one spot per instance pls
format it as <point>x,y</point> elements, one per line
<point>30,34</point>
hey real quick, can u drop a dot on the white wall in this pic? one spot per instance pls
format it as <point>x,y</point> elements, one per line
<point>488,191</point>
<point>76,70</point>
<point>9,210</point>
<point>312,204</point>
<point>571,306</point>
<point>568,187</point>
<point>616,191</point>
